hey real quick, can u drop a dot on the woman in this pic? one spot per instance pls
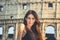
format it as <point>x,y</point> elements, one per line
<point>30,29</point>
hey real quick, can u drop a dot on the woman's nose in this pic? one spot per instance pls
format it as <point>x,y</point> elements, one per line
<point>30,20</point>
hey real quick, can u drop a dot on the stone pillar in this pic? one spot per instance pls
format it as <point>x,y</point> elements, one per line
<point>6,35</point>
<point>16,31</point>
<point>43,30</point>
<point>3,38</point>
<point>58,30</point>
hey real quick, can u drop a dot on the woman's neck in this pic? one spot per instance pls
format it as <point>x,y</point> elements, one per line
<point>29,27</point>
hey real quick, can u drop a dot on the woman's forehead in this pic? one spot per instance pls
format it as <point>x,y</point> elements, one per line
<point>30,15</point>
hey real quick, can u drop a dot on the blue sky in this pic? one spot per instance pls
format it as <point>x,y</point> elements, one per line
<point>50,30</point>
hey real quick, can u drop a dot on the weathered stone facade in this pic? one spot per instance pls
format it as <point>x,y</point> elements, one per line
<point>12,13</point>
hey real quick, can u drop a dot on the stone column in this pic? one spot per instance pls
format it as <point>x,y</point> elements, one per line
<point>16,31</point>
<point>43,30</point>
<point>58,30</point>
<point>6,35</point>
<point>3,38</point>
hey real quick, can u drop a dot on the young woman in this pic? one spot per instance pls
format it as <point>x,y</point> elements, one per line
<point>30,29</point>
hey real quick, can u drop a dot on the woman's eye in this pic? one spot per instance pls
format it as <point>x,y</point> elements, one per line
<point>28,17</point>
<point>33,18</point>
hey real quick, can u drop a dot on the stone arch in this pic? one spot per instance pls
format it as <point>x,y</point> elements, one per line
<point>50,31</point>
<point>1,31</point>
<point>10,31</point>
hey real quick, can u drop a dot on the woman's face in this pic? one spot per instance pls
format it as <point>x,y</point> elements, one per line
<point>30,20</point>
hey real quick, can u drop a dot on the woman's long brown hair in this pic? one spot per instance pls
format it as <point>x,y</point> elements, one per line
<point>36,26</point>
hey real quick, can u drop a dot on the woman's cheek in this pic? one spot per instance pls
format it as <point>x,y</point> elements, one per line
<point>28,21</point>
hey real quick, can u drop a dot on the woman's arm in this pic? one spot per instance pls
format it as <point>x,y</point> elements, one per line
<point>20,31</point>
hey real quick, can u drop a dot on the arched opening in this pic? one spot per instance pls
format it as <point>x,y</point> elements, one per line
<point>1,32</point>
<point>10,32</point>
<point>50,32</point>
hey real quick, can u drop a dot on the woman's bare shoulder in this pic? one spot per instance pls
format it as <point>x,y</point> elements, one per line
<point>22,26</point>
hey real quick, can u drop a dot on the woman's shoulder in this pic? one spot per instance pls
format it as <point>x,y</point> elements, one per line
<point>22,26</point>
<point>22,29</point>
